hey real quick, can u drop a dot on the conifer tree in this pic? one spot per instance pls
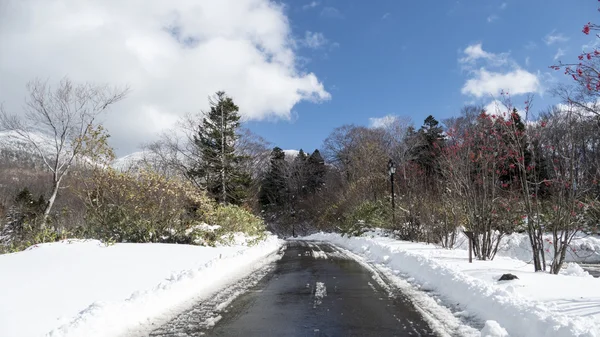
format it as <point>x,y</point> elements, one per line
<point>218,170</point>
<point>316,172</point>
<point>274,183</point>
<point>432,143</point>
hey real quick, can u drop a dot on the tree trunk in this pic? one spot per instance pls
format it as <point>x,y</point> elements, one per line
<point>223,140</point>
<point>50,203</point>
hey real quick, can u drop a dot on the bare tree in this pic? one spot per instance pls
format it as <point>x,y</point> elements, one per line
<point>65,114</point>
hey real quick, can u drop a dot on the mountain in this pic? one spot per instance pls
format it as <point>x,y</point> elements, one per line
<point>16,149</point>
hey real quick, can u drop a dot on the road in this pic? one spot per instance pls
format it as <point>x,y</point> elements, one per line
<point>313,290</point>
<point>593,269</point>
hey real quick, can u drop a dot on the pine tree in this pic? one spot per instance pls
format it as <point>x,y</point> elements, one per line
<point>433,140</point>
<point>299,175</point>
<point>316,171</point>
<point>273,191</point>
<point>218,169</point>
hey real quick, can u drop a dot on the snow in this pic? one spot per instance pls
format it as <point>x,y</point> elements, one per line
<point>129,161</point>
<point>537,304</point>
<point>320,292</point>
<point>583,248</point>
<point>291,154</point>
<point>85,288</point>
<point>13,141</point>
<point>493,329</point>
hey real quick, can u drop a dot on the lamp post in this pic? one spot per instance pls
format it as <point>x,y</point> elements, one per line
<point>391,171</point>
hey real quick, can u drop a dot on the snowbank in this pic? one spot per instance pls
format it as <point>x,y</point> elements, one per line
<point>583,248</point>
<point>84,288</point>
<point>538,304</point>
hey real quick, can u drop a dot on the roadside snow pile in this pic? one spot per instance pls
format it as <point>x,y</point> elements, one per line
<point>84,288</point>
<point>537,304</point>
<point>583,248</point>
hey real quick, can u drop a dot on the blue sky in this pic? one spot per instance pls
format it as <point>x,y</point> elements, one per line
<point>386,57</point>
<point>297,69</point>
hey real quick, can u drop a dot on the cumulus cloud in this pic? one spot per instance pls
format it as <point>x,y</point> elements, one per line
<point>495,73</point>
<point>515,82</point>
<point>314,40</point>
<point>496,107</point>
<point>382,122</point>
<point>554,37</point>
<point>173,54</point>
<point>475,52</point>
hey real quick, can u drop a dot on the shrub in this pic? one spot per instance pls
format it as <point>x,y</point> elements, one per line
<point>366,215</point>
<point>142,207</point>
<point>234,219</point>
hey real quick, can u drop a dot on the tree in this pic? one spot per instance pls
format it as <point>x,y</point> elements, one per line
<point>585,73</point>
<point>299,176</point>
<point>65,114</point>
<point>473,162</point>
<point>218,168</point>
<point>428,153</point>
<point>274,184</point>
<point>316,170</point>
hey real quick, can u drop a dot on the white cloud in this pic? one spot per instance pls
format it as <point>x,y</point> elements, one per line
<point>475,52</point>
<point>503,5</point>
<point>331,12</point>
<point>507,75</point>
<point>559,53</point>
<point>515,82</point>
<point>499,109</point>
<point>310,5</point>
<point>172,53</point>
<point>382,122</point>
<point>496,107</point>
<point>554,37</point>
<point>527,61</point>
<point>385,16</point>
<point>314,40</point>
<point>492,18</point>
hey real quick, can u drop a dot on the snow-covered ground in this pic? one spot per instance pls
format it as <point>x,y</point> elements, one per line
<point>583,248</point>
<point>85,288</point>
<point>537,304</point>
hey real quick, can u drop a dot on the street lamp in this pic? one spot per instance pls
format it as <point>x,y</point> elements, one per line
<point>391,171</point>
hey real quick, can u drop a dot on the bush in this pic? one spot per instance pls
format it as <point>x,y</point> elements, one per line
<point>142,207</point>
<point>148,207</point>
<point>367,215</point>
<point>234,219</point>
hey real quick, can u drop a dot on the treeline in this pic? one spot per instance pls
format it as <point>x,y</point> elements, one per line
<point>196,191</point>
<point>488,172</point>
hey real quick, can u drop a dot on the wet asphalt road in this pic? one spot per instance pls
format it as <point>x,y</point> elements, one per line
<point>593,269</point>
<point>313,290</point>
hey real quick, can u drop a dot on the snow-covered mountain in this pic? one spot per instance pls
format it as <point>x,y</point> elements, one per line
<point>128,161</point>
<point>16,149</point>
<point>291,154</point>
<point>13,142</point>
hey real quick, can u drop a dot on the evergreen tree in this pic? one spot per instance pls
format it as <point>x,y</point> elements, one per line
<point>316,171</point>
<point>273,191</point>
<point>432,141</point>
<point>299,175</point>
<point>218,170</point>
